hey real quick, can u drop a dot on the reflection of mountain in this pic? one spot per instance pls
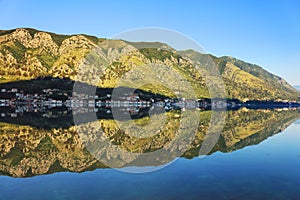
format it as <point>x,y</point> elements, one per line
<point>249,127</point>
<point>63,118</point>
<point>27,151</point>
<point>297,122</point>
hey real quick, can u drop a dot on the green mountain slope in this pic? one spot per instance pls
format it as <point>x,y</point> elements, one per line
<point>247,81</point>
<point>27,53</point>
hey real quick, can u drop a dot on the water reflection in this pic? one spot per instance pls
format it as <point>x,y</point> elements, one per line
<point>29,150</point>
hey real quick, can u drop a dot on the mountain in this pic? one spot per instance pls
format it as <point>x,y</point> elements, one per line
<point>297,87</point>
<point>247,81</point>
<point>28,53</point>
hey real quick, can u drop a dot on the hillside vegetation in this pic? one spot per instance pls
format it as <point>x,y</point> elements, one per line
<point>27,54</point>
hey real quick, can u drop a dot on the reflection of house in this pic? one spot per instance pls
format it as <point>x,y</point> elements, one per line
<point>133,97</point>
<point>13,115</point>
<point>4,102</point>
<point>14,90</point>
<point>133,110</point>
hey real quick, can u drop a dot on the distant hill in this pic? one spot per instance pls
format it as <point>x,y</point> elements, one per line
<point>297,87</point>
<point>28,53</point>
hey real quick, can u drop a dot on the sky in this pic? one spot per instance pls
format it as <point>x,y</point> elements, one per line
<point>263,32</point>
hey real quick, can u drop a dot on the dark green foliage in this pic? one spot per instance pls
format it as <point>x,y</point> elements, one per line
<point>32,31</point>
<point>152,53</point>
<point>221,66</point>
<point>56,167</point>
<point>46,59</point>
<point>18,50</point>
<point>147,45</point>
<point>45,145</point>
<point>92,38</point>
<point>4,32</point>
<point>58,39</point>
<point>16,155</point>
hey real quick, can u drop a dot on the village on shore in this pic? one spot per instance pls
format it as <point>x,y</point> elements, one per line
<point>19,102</point>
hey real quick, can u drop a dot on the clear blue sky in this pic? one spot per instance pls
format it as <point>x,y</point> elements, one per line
<point>264,32</point>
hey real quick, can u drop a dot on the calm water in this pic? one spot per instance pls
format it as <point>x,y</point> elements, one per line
<point>255,168</point>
